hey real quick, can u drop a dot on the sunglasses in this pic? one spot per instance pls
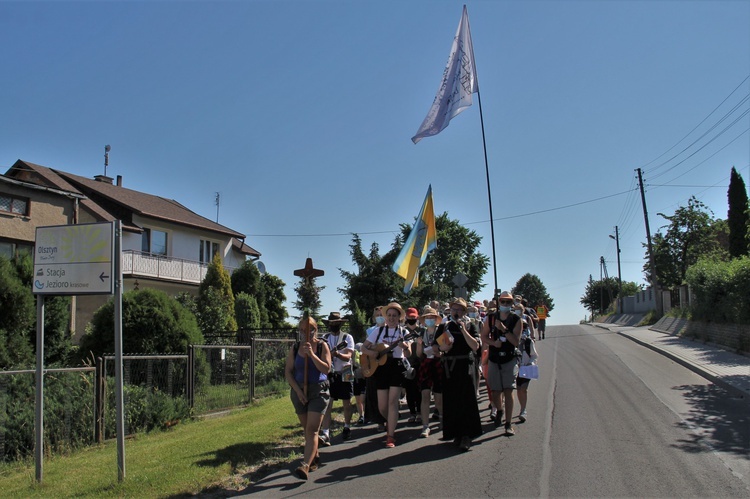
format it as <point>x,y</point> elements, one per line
<point>506,302</point>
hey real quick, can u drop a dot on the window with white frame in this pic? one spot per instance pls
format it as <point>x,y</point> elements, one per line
<point>207,251</point>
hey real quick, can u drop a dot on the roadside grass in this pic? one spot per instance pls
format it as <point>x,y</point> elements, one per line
<point>189,458</point>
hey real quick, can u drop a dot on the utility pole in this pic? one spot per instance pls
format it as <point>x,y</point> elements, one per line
<point>651,259</point>
<point>601,287</point>
<point>616,237</point>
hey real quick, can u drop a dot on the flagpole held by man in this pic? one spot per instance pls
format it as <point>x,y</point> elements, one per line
<point>453,96</point>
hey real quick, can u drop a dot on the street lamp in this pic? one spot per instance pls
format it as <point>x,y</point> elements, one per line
<point>616,237</point>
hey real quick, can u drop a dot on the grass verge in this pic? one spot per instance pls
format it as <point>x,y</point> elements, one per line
<point>183,461</point>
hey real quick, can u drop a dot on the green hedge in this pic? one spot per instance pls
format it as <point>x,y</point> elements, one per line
<point>720,290</point>
<point>68,413</point>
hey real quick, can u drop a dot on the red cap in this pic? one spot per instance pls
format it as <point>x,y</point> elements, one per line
<point>412,313</point>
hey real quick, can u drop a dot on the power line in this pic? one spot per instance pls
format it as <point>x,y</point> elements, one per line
<point>339,234</point>
<point>696,126</point>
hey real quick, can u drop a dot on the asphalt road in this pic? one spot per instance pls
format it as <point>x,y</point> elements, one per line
<point>607,418</point>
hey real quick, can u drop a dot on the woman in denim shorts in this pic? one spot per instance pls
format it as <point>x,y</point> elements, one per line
<point>310,408</point>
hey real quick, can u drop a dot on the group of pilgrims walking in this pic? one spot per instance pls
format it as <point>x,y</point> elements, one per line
<point>433,359</point>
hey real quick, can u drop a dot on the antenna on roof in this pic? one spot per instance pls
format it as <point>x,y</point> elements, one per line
<point>106,158</point>
<point>217,200</point>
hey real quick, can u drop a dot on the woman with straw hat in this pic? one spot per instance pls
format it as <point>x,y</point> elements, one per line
<point>389,377</point>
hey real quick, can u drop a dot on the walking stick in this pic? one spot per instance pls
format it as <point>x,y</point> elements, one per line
<point>306,338</point>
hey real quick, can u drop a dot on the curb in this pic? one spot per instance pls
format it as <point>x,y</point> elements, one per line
<point>697,369</point>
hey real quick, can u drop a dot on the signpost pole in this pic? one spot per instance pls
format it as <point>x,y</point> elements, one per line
<point>39,416</point>
<point>119,398</point>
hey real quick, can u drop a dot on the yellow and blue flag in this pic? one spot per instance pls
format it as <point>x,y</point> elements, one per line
<point>422,239</point>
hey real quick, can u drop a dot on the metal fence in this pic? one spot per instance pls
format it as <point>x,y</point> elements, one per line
<point>69,410</point>
<point>79,403</point>
<point>145,378</point>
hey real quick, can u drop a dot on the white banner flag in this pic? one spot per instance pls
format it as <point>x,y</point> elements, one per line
<point>459,82</point>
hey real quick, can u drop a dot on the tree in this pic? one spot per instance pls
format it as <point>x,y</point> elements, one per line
<point>737,217</point>
<point>152,322</point>
<point>374,283</point>
<point>215,303</point>
<point>247,279</point>
<point>692,233</point>
<point>246,311</point>
<point>18,318</point>
<point>274,300</point>
<point>597,296</point>
<point>630,288</point>
<point>530,287</point>
<point>308,296</point>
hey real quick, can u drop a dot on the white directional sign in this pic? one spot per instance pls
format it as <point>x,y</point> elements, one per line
<point>74,259</point>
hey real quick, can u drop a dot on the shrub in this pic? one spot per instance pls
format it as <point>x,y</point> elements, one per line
<point>68,413</point>
<point>720,290</point>
<point>152,322</point>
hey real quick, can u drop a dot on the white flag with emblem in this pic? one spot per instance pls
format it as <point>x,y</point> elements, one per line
<point>459,82</point>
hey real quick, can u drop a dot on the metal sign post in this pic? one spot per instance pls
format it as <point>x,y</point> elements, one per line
<point>39,413</point>
<point>75,260</point>
<point>119,399</point>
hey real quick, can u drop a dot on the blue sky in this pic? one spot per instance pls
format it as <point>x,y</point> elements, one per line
<point>300,114</point>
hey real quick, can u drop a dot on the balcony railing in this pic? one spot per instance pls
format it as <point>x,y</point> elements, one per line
<point>140,264</point>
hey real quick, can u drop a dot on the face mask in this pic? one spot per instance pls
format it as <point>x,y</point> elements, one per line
<point>429,322</point>
<point>517,312</point>
<point>504,309</point>
<point>411,322</point>
<point>380,320</point>
<point>473,315</point>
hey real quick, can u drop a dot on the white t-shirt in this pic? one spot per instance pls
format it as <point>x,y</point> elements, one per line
<point>338,364</point>
<point>388,336</point>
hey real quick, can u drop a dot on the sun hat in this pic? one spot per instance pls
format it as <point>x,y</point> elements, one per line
<point>429,312</point>
<point>334,318</point>
<point>395,305</point>
<point>460,302</point>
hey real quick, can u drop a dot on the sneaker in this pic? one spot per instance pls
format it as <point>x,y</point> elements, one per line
<point>360,421</point>
<point>315,464</point>
<point>324,440</point>
<point>498,421</point>
<point>418,419</point>
<point>509,430</point>
<point>493,415</point>
<point>346,434</point>
<point>381,427</point>
<point>522,416</point>
<point>425,432</point>
<point>390,442</point>
<point>411,419</point>
<point>302,471</point>
<point>465,444</point>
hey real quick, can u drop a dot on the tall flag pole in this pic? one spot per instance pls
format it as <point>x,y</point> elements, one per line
<point>422,239</point>
<point>453,96</point>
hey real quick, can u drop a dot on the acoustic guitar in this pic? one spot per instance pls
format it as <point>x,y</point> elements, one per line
<point>370,365</point>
